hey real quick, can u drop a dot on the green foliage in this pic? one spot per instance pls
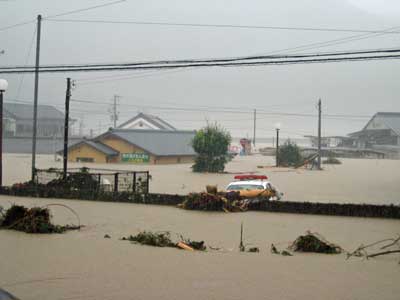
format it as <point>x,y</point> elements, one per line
<point>158,239</point>
<point>331,160</point>
<point>289,154</point>
<point>211,145</point>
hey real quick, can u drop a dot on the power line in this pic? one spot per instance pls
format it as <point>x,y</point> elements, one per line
<point>17,25</point>
<point>215,60</point>
<point>62,14</point>
<point>220,110</point>
<point>217,25</point>
<point>118,67</point>
<point>83,9</point>
<point>26,62</point>
<point>333,42</point>
<point>92,81</point>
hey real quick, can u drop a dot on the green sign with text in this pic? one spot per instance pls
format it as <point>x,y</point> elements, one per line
<point>135,157</point>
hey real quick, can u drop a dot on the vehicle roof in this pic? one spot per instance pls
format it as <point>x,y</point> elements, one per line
<point>250,182</point>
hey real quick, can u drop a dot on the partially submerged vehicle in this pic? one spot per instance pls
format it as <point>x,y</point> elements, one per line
<point>254,187</point>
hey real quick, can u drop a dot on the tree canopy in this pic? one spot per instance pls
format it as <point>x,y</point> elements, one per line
<point>289,154</point>
<point>211,145</point>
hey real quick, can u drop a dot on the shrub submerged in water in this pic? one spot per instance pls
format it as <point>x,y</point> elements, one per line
<point>311,242</point>
<point>31,220</point>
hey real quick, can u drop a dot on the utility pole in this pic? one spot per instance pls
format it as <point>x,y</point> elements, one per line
<point>114,111</point>
<point>254,128</point>
<point>3,88</point>
<point>66,128</point>
<point>36,92</point>
<point>319,134</point>
<point>277,147</point>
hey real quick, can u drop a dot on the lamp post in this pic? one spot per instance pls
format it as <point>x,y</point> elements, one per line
<point>277,128</point>
<point>3,88</point>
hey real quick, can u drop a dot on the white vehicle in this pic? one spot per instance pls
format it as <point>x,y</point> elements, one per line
<point>253,186</point>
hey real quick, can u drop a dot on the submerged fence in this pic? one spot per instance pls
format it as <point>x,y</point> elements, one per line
<point>96,180</point>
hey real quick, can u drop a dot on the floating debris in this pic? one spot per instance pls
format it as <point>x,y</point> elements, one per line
<point>32,220</point>
<point>227,202</point>
<point>313,242</point>
<point>157,239</point>
<point>286,253</point>
<point>184,246</point>
<point>253,250</point>
<point>163,239</point>
<point>196,245</point>
<point>274,250</point>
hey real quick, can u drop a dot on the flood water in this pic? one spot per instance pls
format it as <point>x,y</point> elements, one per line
<point>84,265</point>
<point>354,181</point>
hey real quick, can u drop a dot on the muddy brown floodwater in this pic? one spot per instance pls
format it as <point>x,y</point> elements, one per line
<point>355,181</point>
<point>84,265</point>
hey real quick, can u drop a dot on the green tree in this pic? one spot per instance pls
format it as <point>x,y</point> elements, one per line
<point>289,154</point>
<point>211,145</point>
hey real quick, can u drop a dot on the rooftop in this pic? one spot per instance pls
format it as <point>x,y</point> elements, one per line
<point>25,111</point>
<point>154,120</point>
<point>156,142</point>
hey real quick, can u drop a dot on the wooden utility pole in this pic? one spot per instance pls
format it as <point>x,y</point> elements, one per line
<point>36,92</point>
<point>319,134</point>
<point>254,128</point>
<point>66,128</point>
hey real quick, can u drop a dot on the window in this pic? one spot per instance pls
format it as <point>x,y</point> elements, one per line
<point>84,159</point>
<point>239,187</point>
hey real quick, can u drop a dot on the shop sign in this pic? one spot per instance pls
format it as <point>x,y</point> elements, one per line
<point>135,157</point>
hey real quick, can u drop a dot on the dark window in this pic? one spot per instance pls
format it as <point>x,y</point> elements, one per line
<point>85,159</point>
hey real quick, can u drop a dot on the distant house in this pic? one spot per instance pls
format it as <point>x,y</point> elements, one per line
<point>331,141</point>
<point>382,130</point>
<point>18,120</point>
<point>145,121</point>
<point>135,146</point>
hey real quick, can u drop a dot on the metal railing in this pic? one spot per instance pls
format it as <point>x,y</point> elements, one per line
<point>96,179</point>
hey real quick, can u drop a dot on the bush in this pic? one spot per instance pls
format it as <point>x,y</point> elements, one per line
<point>211,145</point>
<point>289,154</point>
<point>332,161</point>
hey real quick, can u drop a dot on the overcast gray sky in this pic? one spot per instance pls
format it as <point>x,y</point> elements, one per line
<point>354,88</point>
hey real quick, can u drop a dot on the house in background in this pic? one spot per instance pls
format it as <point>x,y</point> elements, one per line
<point>382,130</point>
<point>18,120</point>
<point>331,141</point>
<point>145,121</point>
<point>135,146</point>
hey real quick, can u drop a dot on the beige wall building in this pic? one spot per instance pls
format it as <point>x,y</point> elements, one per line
<point>135,146</point>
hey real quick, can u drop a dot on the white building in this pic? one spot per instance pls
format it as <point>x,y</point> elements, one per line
<point>145,121</point>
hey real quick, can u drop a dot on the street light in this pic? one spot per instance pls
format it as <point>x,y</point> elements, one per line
<point>3,88</point>
<point>277,128</point>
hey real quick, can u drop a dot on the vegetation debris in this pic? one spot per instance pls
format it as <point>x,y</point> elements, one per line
<point>163,239</point>
<point>331,161</point>
<point>214,202</point>
<point>313,242</point>
<point>253,249</point>
<point>32,220</point>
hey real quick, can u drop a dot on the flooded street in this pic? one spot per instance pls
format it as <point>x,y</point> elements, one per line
<point>84,265</point>
<point>354,181</point>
